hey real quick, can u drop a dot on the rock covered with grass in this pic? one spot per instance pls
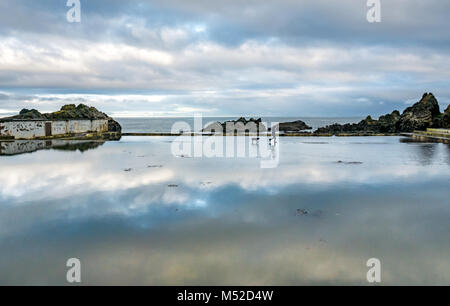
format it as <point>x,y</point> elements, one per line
<point>70,112</point>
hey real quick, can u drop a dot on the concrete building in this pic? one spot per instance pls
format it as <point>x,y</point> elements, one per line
<point>36,128</point>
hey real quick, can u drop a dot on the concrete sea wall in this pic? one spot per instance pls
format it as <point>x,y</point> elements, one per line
<point>29,129</point>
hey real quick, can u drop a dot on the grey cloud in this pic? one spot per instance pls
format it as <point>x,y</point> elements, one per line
<point>228,56</point>
<point>233,22</point>
<point>4,97</point>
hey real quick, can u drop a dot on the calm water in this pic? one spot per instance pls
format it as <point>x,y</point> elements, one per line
<point>198,221</point>
<point>164,125</point>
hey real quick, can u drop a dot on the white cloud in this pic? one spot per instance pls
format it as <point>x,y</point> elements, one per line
<point>198,59</point>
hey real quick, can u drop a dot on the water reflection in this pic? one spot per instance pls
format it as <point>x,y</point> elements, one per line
<point>172,220</point>
<point>426,151</point>
<point>17,147</point>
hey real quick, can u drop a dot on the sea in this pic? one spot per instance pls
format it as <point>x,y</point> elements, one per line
<point>156,211</point>
<point>165,124</point>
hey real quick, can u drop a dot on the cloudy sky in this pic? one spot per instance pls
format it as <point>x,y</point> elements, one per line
<point>234,57</point>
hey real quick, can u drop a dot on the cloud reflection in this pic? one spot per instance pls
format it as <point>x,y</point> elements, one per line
<point>228,221</point>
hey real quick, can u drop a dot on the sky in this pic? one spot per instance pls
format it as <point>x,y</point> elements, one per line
<point>305,58</point>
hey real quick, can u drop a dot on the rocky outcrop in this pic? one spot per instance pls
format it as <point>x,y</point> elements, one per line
<point>446,118</point>
<point>31,114</point>
<point>241,125</point>
<point>79,112</point>
<point>294,126</point>
<point>70,112</point>
<point>253,125</point>
<point>388,123</point>
<point>114,126</point>
<point>420,116</point>
<point>385,124</point>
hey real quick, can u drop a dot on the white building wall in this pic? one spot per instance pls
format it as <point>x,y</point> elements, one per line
<point>23,129</point>
<point>32,129</point>
<point>79,126</point>
<point>59,127</point>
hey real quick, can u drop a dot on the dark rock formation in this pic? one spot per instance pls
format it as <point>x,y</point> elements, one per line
<point>70,112</point>
<point>245,121</point>
<point>114,126</point>
<point>79,112</point>
<point>446,118</point>
<point>29,114</point>
<point>253,125</point>
<point>420,116</point>
<point>295,126</point>
<point>241,125</point>
<point>386,124</point>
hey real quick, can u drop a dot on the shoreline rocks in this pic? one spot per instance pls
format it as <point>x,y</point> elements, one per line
<point>420,116</point>
<point>254,126</point>
<point>294,126</point>
<point>446,118</point>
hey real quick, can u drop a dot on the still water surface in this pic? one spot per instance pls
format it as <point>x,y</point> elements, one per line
<point>226,221</point>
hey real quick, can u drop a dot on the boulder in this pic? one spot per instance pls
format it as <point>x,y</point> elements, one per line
<point>446,118</point>
<point>114,126</point>
<point>256,124</point>
<point>29,114</point>
<point>421,115</point>
<point>242,125</point>
<point>294,126</point>
<point>388,123</point>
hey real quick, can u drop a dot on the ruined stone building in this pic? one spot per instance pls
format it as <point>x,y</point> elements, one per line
<point>35,128</point>
<point>70,120</point>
